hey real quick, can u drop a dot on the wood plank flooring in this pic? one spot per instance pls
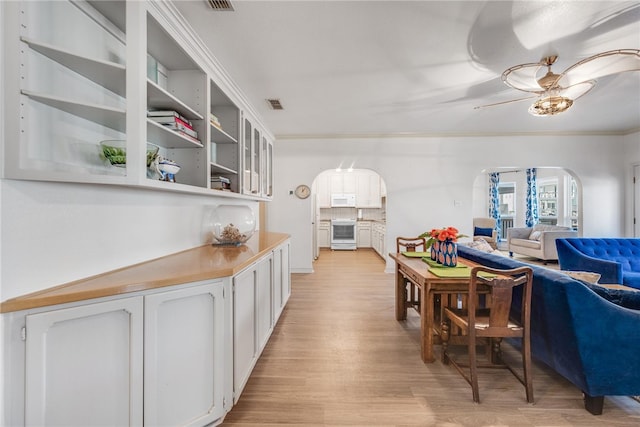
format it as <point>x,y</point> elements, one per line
<point>338,357</point>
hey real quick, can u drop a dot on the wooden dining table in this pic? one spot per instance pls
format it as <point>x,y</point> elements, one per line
<point>413,268</point>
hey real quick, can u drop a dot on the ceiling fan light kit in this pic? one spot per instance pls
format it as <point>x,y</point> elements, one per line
<point>550,106</point>
<point>556,93</point>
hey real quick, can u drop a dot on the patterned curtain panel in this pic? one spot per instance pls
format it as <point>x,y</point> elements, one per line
<point>531,218</point>
<point>494,200</point>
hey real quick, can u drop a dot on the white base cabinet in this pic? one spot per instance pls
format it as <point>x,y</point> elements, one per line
<point>260,292</point>
<point>184,357</point>
<point>84,365</point>
<point>173,356</point>
<point>363,239</point>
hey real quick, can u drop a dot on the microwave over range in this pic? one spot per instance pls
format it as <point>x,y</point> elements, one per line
<point>343,200</point>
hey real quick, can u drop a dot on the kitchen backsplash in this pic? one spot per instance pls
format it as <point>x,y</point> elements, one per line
<point>370,214</point>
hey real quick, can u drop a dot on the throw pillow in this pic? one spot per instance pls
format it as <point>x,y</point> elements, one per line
<point>481,245</point>
<point>585,276</point>
<point>535,235</point>
<point>479,231</point>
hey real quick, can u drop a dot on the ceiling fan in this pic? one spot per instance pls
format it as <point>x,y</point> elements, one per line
<point>556,93</point>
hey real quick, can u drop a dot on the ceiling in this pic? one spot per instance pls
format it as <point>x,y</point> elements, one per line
<point>378,68</point>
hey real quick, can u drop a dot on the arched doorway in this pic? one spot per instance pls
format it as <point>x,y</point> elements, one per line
<point>365,206</point>
<point>559,193</point>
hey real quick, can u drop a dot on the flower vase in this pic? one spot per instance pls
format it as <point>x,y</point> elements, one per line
<point>435,248</point>
<point>449,252</point>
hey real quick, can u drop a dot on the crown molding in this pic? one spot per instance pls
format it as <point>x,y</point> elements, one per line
<point>399,135</point>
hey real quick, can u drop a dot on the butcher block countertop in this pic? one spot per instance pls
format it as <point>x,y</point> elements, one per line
<point>201,263</point>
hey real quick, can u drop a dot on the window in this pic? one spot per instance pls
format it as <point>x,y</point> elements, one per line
<point>548,201</point>
<point>573,203</point>
<point>507,197</point>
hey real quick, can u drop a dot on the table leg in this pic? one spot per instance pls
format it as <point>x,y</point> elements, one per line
<point>426,323</point>
<point>401,306</point>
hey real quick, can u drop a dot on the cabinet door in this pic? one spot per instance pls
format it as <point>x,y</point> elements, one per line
<point>323,188</point>
<point>84,365</point>
<point>184,356</point>
<point>324,235</point>
<point>364,235</point>
<point>245,341</point>
<point>264,277</point>
<point>281,282</point>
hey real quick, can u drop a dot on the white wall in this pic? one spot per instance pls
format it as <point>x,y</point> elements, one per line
<point>53,233</point>
<point>430,181</point>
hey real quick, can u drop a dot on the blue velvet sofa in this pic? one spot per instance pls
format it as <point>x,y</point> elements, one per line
<point>586,333</point>
<point>617,260</point>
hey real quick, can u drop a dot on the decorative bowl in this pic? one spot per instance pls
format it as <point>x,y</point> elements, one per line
<point>115,151</point>
<point>232,224</point>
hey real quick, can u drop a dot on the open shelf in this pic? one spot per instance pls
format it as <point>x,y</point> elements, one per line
<point>221,137</point>
<point>159,99</point>
<point>167,138</point>
<point>113,118</point>
<point>109,75</point>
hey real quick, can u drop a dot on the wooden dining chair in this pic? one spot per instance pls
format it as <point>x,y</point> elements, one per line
<point>411,244</point>
<point>491,321</point>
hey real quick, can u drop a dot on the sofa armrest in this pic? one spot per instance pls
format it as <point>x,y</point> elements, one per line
<point>572,259</point>
<point>548,241</point>
<point>603,344</point>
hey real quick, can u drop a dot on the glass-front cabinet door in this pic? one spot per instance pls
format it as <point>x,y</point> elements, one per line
<point>256,171</point>
<point>267,167</point>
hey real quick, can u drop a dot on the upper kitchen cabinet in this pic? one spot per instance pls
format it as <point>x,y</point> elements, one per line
<point>64,94</point>
<point>368,189</point>
<point>135,100</point>
<point>257,150</point>
<point>224,126</point>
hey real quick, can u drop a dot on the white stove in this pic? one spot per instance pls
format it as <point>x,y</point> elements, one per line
<point>343,234</point>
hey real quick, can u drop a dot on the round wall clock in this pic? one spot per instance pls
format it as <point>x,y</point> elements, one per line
<point>303,191</point>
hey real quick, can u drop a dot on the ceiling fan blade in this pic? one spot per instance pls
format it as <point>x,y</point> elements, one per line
<point>523,77</point>
<point>504,102</point>
<point>600,65</point>
<point>577,90</point>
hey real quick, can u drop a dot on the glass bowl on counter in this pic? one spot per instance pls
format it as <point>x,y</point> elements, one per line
<point>232,224</point>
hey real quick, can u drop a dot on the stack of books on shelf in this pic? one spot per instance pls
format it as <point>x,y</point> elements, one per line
<point>214,121</point>
<point>220,183</point>
<point>174,121</point>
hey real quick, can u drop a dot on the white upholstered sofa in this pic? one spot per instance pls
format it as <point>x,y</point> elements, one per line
<point>538,241</point>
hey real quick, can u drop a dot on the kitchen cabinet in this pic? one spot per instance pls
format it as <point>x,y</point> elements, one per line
<point>363,229</point>
<point>138,348</point>
<point>323,189</point>
<point>343,183</point>
<point>378,233</point>
<point>368,189</point>
<point>83,365</point>
<point>67,94</point>
<point>253,319</point>
<point>185,354</point>
<point>281,280</point>
<point>324,234</point>
<point>167,352</point>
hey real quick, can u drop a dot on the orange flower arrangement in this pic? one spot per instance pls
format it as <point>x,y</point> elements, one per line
<point>447,234</point>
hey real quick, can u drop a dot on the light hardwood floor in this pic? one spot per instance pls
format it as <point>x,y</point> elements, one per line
<point>339,357</point>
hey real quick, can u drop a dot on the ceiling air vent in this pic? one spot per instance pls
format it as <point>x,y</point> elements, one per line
<point>220,5</point>
<point>275,104</point>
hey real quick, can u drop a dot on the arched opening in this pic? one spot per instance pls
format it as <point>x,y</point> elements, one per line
<point>349,210</point>
<point>559,197</point>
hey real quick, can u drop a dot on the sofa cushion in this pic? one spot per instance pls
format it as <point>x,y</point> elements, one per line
<point>584,276</point>
<point>480,231</point>
<point>535,235</point>
<point>525,243</point>
<point>482,245</point>
<point>621,297</point>
<point>548,227</point>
